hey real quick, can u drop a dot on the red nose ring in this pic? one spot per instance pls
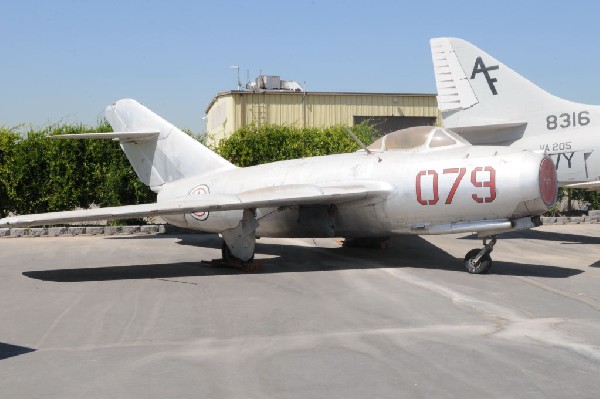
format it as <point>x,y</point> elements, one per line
<point>548,184</point>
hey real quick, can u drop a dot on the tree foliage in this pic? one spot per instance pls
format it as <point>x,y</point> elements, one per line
<point>591,198</point>
<point>38,174</point>
<point>253,145</point>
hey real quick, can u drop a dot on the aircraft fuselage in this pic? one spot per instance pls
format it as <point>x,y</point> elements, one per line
<point>432,192</point>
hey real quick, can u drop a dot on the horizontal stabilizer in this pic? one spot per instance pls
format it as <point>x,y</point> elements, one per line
<point>280,196</point>
<point>588,185</point>
<point>124,137</point>
<point>489,127</point>
<point>493,133</point>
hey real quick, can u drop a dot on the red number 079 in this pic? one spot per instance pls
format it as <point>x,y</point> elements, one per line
<point>481,176</point>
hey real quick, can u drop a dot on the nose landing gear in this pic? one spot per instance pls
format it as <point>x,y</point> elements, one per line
<point>479,261</point>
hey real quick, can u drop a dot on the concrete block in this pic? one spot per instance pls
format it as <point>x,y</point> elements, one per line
<point>5,232</point>
<point>548,220</point>
<point>149,229</point>
<point>19,232</point>
<point>594,213</point>
<point>94,230</point>
<point>38,232</point>
<point>76,231</point>
<point>130,229</point>
<point>56,231</point>
<point>576,219</point>
<point>112,230</point>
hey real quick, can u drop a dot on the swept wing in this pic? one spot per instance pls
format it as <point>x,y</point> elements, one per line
<point>279,196</point>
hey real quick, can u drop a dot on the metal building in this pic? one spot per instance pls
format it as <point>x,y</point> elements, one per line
<point>270,100</point>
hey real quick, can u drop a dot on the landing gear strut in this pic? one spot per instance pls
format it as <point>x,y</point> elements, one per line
<point>230,258</point>
<point>239,242</point>
<point>478,261</point>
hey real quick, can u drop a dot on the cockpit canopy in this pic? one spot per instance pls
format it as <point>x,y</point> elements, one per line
<point>418,138</point>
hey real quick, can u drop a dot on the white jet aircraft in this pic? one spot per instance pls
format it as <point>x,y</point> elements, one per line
<point>424,180</point>
<point>488,103</point>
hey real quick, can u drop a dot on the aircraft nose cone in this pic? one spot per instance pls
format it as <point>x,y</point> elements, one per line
<point>548,182</point>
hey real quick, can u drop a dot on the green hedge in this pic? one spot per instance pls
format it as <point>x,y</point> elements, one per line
<point>42,175</point>
<point>253,145</point>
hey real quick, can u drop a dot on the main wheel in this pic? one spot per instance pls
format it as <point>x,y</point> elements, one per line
<point>228,257</point>
<point>481,267</point>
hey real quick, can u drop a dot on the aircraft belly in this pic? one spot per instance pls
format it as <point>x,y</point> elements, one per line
<point>322,221</point>
<point>295,222</point>
<point>317,222</point>
<point>363,220</point>
<point>176,220</point>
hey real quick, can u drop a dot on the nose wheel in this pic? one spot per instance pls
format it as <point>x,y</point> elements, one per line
<point>479,261</point>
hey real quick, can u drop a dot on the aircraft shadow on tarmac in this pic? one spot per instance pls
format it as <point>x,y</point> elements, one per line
<point>403,252</point>
<point>7,350</point>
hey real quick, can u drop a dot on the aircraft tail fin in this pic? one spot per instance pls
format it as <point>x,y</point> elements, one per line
<point>158,151</point>
<point>475,90</point>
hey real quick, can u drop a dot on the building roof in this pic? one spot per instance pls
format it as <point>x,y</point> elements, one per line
<point>314,93</point>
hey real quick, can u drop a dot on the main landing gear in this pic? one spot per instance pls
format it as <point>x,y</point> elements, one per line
<point>229,257</point>
<point>479,261</point>
<point>230,260</point>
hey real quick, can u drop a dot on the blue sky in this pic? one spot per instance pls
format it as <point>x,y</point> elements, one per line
<point>65,60</point>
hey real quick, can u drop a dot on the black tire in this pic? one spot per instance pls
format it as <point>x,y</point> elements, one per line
<point>228,257</point>
<point>482,267</point>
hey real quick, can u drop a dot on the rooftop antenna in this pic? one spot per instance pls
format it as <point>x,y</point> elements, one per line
<point>239,84</point>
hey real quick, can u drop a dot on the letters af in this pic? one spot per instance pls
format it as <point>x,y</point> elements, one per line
<point>481,68</point>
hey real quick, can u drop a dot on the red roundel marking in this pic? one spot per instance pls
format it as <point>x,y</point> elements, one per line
<point>548,183</point>
<point>201,189</point>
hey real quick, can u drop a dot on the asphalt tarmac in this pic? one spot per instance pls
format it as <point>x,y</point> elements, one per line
<point>141,317</point>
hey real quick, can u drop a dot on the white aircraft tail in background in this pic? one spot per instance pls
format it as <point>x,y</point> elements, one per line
<point>490,104</point>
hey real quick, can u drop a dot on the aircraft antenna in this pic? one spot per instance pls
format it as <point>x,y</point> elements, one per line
<point>358,141</point>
